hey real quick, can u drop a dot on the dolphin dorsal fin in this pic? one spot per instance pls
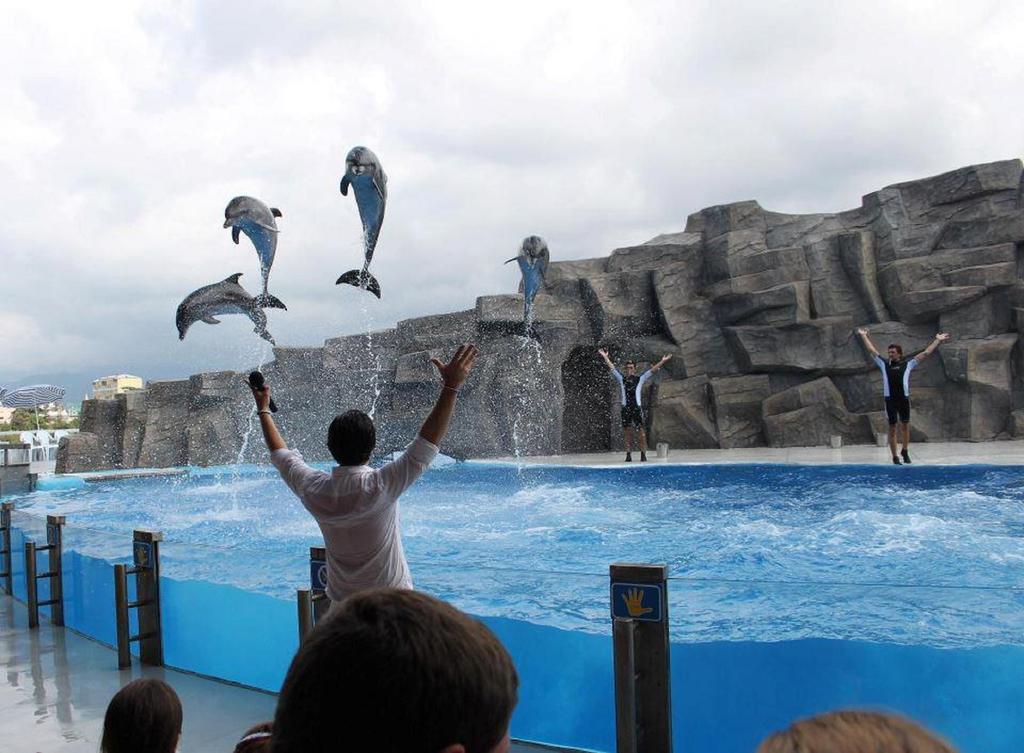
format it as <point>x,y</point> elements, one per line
<point>275,211</point>
<point>234,278</point>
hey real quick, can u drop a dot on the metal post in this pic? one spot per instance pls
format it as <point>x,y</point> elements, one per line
<point>146,554</point>
<point>5,546</point>
<point>313,602</point>
<point>146,548</point>
<point>53,548</point>
<point>643,702</point>
<point>124,657</point>
<point>30,584</point>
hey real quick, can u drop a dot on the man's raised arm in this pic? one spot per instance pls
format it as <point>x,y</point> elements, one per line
<point>939,339</point>
<point>607,360</point>
<point>453,374</point>
<point>270,433</point>
<point>869,346</point>
<point>661,363</point>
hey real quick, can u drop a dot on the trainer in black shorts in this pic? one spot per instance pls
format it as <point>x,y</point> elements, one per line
<point>896,387</point>
<point>631,387</point>
<point>897,408</point>
<point>632,417</point>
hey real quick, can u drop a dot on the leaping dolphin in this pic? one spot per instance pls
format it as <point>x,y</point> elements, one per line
<point>222,298</point>
<point>245,214</point>
<point>533,260</point>
<point>364,172</point>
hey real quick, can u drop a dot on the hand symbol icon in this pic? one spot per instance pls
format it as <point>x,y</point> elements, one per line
<point>634,599</point>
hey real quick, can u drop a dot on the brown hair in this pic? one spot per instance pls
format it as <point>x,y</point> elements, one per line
<point>144,715</point>
<point>396,671</point>
<point>855,732</point>
<point>898,347</point>
<point>256,739</point>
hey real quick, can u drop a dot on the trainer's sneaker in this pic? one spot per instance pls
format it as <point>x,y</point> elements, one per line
<point>629,457</point>
<point>906,456</point>
<point>643,457</point>
<point>896,460</point>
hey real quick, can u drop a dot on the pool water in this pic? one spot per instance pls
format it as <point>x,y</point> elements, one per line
<point>794,589</point>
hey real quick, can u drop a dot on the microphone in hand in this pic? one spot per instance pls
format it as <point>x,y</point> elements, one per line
<point>257,382</point>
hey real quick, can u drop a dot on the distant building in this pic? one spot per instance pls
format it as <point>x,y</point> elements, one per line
<point>108,387</point>
<point>58,411</point>
<point>6,414</point>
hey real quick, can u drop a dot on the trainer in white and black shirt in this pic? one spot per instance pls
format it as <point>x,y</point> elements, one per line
<point>896,387</point>
<point>631,397</point>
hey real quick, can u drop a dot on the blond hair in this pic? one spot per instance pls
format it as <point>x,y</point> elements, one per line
<point>855,732</point>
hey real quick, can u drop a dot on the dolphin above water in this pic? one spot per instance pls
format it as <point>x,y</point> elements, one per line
<point>364,173</point>
<point>222,298</point>
<point>245,214</point>
<point>533,260</point>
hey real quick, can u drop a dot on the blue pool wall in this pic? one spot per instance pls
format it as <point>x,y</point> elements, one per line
<point>726,695</point>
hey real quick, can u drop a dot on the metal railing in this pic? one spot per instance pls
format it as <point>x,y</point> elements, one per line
<point>5,547</point>
<point>15,454</point>
<point>54,538</point>
<point>146,569</point>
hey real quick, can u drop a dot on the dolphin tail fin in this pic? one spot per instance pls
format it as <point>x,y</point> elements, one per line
<point>360,279</point>
<point>268,301</point>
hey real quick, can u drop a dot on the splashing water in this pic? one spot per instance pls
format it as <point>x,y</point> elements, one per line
<point>529,384</point>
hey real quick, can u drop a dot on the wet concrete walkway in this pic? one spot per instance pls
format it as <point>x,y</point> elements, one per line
<point>924,453</point>
<point>56,686</point>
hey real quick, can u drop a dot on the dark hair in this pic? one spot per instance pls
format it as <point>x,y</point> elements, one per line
<point>898,347</point>
<point>396,671</point>
<point>351,438</point>
<point>256,739</point>
<point>144,715</point>
<point>631,362</point>
<point>854,732</point>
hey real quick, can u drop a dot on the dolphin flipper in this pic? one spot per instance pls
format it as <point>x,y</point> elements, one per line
<point>344,185</point>
<point>210,320</point>
<point>276,212</point>
<point>360,279</point>
<point>235,232</point>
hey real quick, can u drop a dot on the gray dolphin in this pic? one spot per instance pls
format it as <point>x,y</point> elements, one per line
<point>245,214</point>
<point>219,299</point>
<point>533,260</point>
<point>364,172</point>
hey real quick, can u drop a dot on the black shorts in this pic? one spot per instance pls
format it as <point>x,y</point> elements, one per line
<point>897,408</point>
<point>632,417</point>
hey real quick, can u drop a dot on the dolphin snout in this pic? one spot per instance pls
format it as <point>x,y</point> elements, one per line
<point>227,223</point>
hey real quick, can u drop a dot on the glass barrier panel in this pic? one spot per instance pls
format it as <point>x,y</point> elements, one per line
<point>557,628</point>
<point>88,566</point>
<point>747,659</point>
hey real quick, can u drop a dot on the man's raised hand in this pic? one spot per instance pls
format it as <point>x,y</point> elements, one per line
<point>862,332</point>
<point>454,373</point>
<point>942,337</point>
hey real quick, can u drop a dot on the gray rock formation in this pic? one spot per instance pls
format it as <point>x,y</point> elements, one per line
<point>758,308</point>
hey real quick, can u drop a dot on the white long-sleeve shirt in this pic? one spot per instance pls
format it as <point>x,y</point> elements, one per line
<point>356,508</point>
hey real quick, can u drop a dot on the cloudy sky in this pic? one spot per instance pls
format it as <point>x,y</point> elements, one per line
<point>127,127</point>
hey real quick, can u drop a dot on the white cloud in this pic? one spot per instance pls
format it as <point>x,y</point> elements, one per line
<point>127,128</point>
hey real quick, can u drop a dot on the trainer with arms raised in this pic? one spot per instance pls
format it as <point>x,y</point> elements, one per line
<point>896,386</point>
<point>356,506</point>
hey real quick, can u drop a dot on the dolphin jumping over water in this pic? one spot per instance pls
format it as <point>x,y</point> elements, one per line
<point>533,260</point>
<point>366,176</point>
<point>221,298</point>
<point>245,214</point>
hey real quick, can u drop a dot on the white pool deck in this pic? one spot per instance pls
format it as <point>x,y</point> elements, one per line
<point>922,453</point>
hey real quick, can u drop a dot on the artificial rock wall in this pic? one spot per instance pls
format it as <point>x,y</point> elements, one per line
<point>758,308</point>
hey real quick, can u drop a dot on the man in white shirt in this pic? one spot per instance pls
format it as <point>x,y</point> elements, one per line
<point>356,506</point>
